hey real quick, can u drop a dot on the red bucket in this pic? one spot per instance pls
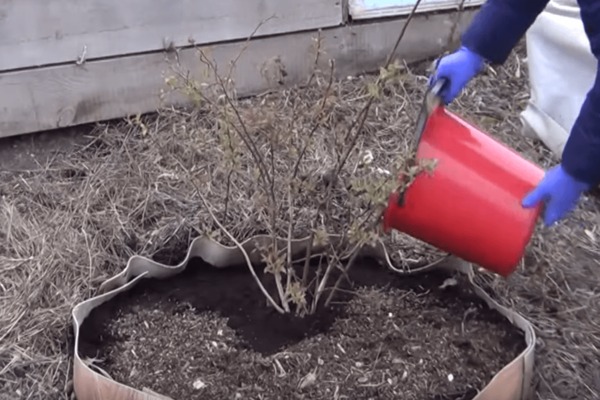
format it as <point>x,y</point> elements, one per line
<point>470,204</point>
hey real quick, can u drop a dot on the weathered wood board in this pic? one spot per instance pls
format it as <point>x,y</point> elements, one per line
<point>368,9</point>
<point>47,98</point>
<point>45,32</point>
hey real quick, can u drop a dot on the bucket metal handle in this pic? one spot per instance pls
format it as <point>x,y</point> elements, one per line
<point>431,101</point>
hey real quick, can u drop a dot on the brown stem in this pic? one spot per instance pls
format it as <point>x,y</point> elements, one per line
<point>316,63</point>
<point>244,134</point>
<point>232,150</point>
<point>281,292</point>
<point>306,268</point>
<point>227,191</point>
<point>273,206</point>
<point>360,120</point>
<point>401,36</point>
<point>459,10</point>
<point>342,275</point>
<point>317,280</point>
<point>234,63</point>
<point>289,241</point>
<point>295,174</point>
<point>354,255</point>
<point>233,239</point>
<point>323,282</point>
<point>319,119</point>
<point>362,116</point>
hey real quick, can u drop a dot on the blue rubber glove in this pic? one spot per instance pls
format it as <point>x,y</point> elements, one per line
<point>560,191</point>
<point>458,68</point>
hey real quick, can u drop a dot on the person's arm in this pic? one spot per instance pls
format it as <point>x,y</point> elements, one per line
<point>491,36</point>
<point>579,169</point>
<point>581,155</point>
<point>498,27</point>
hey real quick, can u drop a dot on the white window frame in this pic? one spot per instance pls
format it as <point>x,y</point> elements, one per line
<point>367,9</point>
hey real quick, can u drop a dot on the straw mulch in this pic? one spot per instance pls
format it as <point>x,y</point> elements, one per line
<point>73,221</point>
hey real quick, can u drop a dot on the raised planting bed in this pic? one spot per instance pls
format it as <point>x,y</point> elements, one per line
<point>288,186</point>
<point>198,330</point>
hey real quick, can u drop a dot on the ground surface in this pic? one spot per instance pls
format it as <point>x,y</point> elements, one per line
<point>71,219</point>
<point>385,338</point>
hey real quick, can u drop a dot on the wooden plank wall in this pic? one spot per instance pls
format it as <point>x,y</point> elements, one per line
<point>48,98</point>
<point>42,99</point>
<point>42,32</point>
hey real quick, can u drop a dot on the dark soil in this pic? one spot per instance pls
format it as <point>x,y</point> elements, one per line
<point>208,334</point>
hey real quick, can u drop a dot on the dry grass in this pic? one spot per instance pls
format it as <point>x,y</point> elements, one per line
<point>75,221</point>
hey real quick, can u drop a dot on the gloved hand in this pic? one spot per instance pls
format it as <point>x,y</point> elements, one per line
<point>559,190</point>
<point>458,68</point>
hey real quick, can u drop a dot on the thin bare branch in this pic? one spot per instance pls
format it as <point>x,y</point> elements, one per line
<point>234,240</point>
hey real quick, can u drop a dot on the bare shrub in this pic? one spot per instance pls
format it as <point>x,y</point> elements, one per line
<point>333,195</point>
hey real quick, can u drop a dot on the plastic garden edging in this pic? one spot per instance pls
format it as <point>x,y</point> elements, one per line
<point>513,382</point>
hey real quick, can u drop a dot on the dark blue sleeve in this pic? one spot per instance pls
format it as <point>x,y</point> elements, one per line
<point>581,156</point>
<point>499,25</point>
